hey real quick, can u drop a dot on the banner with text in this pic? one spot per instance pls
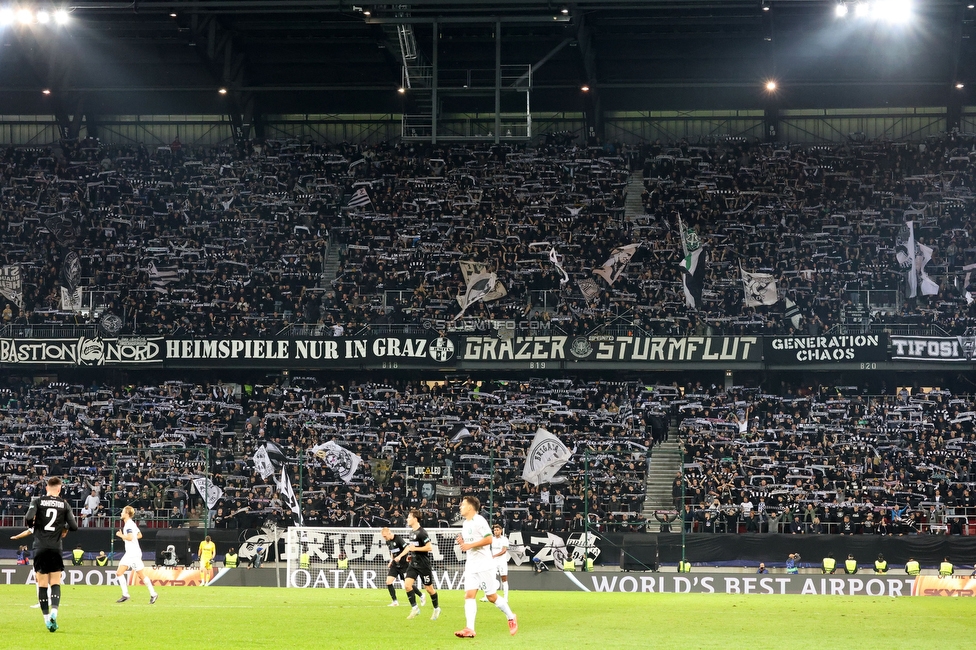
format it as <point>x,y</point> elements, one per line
<point>932,348</point>
<point>825,349</point>
<point>124,351</point>
<point>623,349</point>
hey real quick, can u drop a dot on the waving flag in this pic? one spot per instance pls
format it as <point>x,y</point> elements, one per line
<point>337,458</point>
<point>12,285</point>
<point>359,199</point>
<point>758,288</point>
<point>692,267</point>
<point>615,266</point>
<point>546,456</point>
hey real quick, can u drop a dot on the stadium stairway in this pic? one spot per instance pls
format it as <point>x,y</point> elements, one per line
<point>664,465</point>
<point>634,207</point>
<point>330,265</point>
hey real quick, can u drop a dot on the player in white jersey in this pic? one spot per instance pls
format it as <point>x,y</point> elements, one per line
<point>479,567</point>
<point>132,558</point>
<point>499,551</point>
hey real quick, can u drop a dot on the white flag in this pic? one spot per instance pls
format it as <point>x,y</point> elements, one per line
<point>557,260</point>
<point>288,494</point>
<point>340,460</point>
<point>262,463</point>
<point>545,457</point>
<point>759,288</point>
<point>359,199</point>
<point>206,488</point>
<point>70,300</point>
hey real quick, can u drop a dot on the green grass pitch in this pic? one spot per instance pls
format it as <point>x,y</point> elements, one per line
<point>226,618</point>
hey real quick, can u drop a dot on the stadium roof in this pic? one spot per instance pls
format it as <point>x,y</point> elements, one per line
<point>332,56</point>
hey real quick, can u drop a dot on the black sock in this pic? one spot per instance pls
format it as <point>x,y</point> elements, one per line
<point>411,596</point>
<point>392,592</point>
<point>433,599</point>
<point>55,596</point>
<point>417,592</point>
<point>42,599</point>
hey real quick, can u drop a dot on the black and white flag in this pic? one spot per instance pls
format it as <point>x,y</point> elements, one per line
<point>758,288</point>
<point>966,291</point>
<point>616,264</point>
<point>71,300</point>
<point>480,285</point>
<point>71,270</point>
<point>288,494</point>
<point>589,289</point>
<point>206,488</point>
<point>161,276</point>
<point>545,457</point>
<point>268,458</point>
<point>359,199</point>
<point>459,432</point>
<point>339,459</point>
<point>12,285</point>
<point>692,267</point>
<point>912,256</point>
<point>792,312</point>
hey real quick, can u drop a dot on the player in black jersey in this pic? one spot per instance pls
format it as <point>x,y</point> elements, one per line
<point>50,516</point>
<point>397,570</point>
<point>419,547</point>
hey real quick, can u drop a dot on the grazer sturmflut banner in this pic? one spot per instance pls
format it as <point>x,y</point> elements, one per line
<point>133,350</point>
<point>613,348</point>
<point>826,348</point>
<point>933,348</point>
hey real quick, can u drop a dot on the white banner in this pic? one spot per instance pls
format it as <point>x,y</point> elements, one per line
<point>758,288</point>
<point>71,300</point>
<point>340,460</point>
<point>12,285</point>
<point>262,463</point>
<point>206,488</point>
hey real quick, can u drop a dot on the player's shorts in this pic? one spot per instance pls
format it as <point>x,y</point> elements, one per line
<point>502,568</point>
<point>396,572</point>
<point>425,575</point>
<point>134,562</point>
<point>483,580</point>
<point>206,563</point>
<point>48,561</point>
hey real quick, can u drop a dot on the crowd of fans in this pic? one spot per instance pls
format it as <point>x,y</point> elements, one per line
<point>143,445</point>
<point>812,461</point>
<point>210,243</point>
<point>827,461</point>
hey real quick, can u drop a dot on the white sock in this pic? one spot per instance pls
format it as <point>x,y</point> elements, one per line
<point>470,611</point>
<point>54,612</point>
<point>47,617</point>
<point>505,590</point>
<point>124,583</point>
<point>502,604</point>
<point>146,581</point>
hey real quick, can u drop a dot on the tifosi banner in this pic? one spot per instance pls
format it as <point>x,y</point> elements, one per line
<point>932,348</point>
<point>706,349</point>
<point>825,349</point>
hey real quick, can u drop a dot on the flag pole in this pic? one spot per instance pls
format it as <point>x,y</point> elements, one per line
<point>586,506</point>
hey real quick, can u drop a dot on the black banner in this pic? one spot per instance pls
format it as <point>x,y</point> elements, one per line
<point>613,348</point>
<point>123,351</point>
<point>932,348</point>
<point>378,352</point>
<point>825,349</point>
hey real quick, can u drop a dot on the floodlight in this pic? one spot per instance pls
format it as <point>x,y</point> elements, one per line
<point>61,16</point>
<point>25,17</point>
<point>894,11</point>
<point>862,9</point>
<point>840,10</point>
<point>7,16</point>
<point>960,86</point>
<point>43,17</point>
<point>222,91</point>
<point>771,85</point>
<point>46,92</point>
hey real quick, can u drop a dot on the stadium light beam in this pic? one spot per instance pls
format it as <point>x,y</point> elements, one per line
<point>43,17</point>
<point>862,9</point>
<point>771,86</point>
<point>7,16</point>
<point>61,16</point>
<point>841,10</point>
<point>894,11</point>
<point>25,17</point>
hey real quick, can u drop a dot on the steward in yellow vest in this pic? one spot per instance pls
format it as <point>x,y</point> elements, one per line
<point>101,559</point>
<point>230,559</point>
<point>829,564</point>
<point>569,565</point>
<point>304,561</point>
<point>912,567</point>
<point>946,568</point>
<point>850,565</point>
<point>881,565</point>
<point>684,566</point>
<point>342,563</point>
<point>76,556</point>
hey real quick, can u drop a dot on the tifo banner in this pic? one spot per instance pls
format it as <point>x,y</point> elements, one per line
<point>136,351</point>
<point>932,348</point>
<point>613,348</point>
<point>818,349</point>
<point>310,352</point>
